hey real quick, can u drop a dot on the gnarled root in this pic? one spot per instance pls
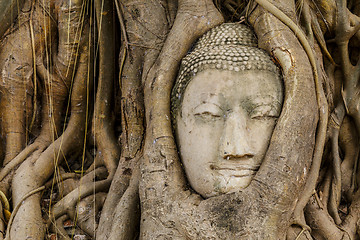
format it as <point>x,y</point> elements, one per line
<point>139,52</point>
<point>87,212</point>
<point>35,172</point>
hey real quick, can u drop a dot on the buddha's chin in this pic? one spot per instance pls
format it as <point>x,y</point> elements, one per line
<point>228,184</point>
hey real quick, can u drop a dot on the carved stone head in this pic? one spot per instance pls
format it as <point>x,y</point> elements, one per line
<point>225,103</point>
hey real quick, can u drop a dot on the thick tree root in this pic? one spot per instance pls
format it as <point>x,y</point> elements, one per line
<point>87,185</point>
<point>309,188</point>
<point>16,209</point>
<point>58,228</point>
<point>103,121</point>
<point>126,217</point>
<point>17,160</point>
<point>87,210</point>
<point>71,139</point>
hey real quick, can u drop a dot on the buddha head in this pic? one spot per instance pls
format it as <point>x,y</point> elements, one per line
<point>225,104</point>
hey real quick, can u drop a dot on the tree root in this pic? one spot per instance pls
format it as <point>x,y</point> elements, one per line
<point>5,205</point>
<point>87,186</point>
<point>78,203</point>
<point>21,157</point>
<point>3,223</point>
<point>337,118</point>
<point>67,204</point>
<point>103,121</point>
<point>58,227</point>
<point>135,63</point>
<point>126,216</point>
<point>64,176</point>
<point>72,138</point>
<point>312,176</point>
<point>16,209</point>
<point>87,209</point>
<point>323,113</point>
<point>349,143</point>
<point>351,222</point>
<point>321,222</point>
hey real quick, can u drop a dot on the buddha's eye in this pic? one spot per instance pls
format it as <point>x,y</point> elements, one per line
<point>264,112</point>
<point>208,111</point>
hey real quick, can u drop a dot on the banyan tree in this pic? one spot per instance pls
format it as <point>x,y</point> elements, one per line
<point>131,119</point>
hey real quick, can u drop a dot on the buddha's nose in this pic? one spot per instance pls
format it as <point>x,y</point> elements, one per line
<point>235,142</point>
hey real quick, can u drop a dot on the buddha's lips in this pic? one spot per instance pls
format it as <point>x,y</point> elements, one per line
<point>235,171</point>
<point>235,168</point>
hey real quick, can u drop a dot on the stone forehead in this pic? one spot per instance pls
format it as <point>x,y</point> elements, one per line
<point>230,46</point>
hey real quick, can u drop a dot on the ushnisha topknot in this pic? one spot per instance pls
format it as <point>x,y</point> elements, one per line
<point>229,46</point>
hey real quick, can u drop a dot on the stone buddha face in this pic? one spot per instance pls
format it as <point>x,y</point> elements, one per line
<point>224,125</point>
<point>225,103</point>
